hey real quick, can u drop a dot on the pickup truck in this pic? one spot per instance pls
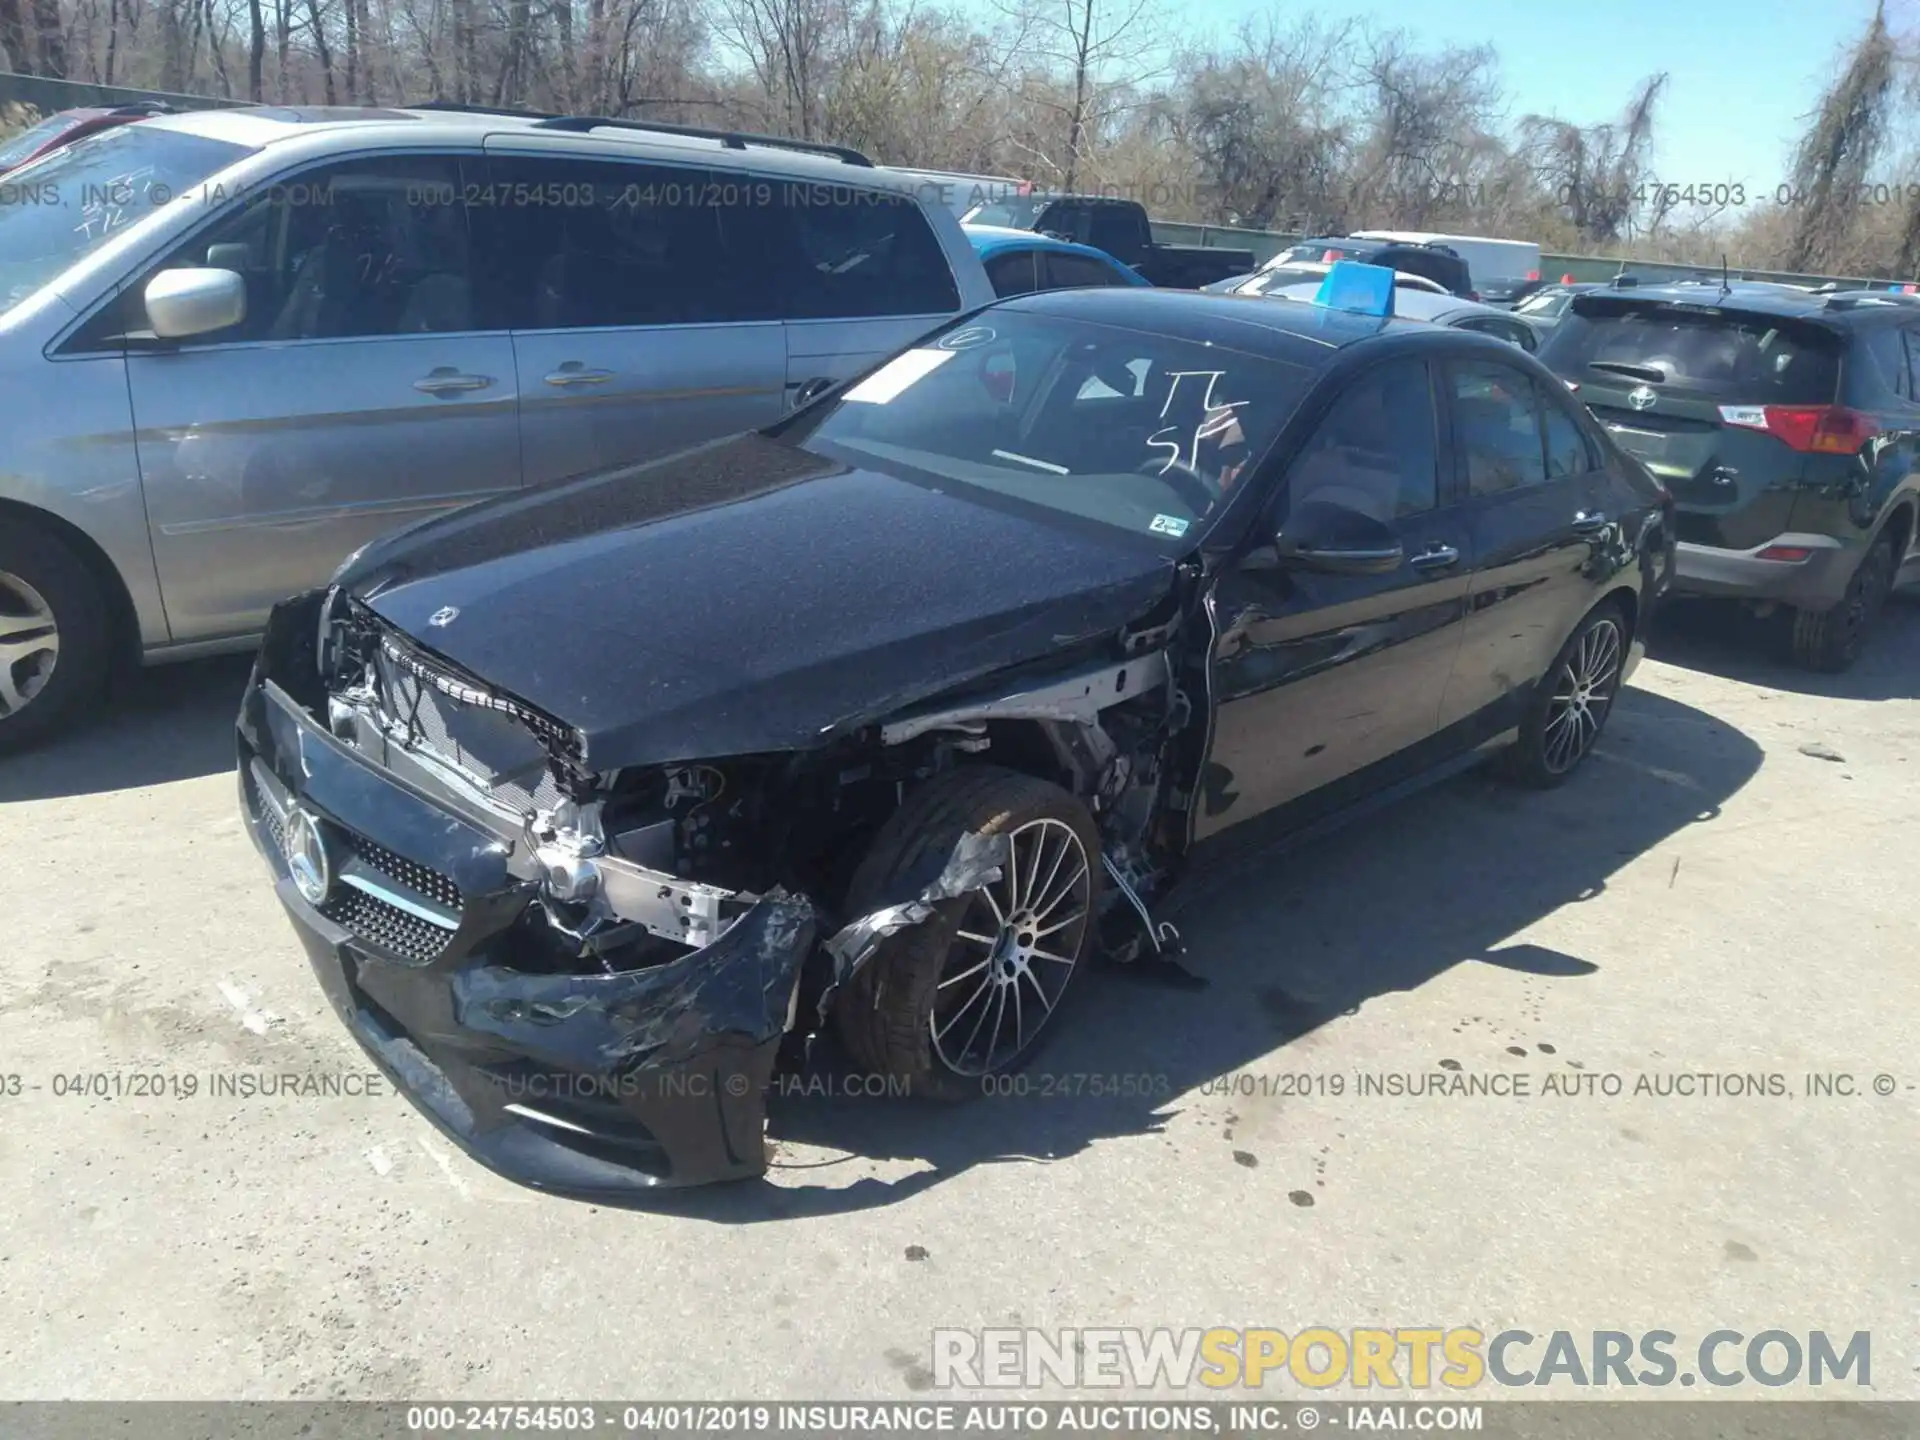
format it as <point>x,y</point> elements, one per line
<point>1119,227</point>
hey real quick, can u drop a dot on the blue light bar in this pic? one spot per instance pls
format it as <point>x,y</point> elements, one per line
<point>1357,289</point>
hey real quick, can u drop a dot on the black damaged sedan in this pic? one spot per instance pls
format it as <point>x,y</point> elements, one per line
<point>893,716</point>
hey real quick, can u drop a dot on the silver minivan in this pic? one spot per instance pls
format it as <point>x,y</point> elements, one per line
<point>237,345</point>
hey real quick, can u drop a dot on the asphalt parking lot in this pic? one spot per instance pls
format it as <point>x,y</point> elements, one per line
<point>1729,888</point>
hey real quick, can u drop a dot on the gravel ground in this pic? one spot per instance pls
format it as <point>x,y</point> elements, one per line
<point>1726,889</point>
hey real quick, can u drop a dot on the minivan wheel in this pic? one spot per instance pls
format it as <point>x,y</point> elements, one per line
<point>1830,640</point>
<point>54,633</point>
<point>972,992</point>
<point>1570,706</point>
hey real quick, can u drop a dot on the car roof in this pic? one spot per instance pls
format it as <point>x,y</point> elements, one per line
<point>992,239</point>
<point>1759,297</point>
<point>1308,334</point>
<point>1408,303</point>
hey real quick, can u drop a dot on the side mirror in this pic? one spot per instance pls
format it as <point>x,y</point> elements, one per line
<point>1326,539</point>
<point>186,302</point>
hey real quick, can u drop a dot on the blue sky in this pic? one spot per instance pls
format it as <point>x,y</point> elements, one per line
<point>1744,72</point>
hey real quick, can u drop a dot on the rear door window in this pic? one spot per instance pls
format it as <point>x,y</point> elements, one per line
<point>836,252</point>
<point>1068,272</point>
<point>1012,273</point>
<point>1569,451</point>
<point>583,244</point>
<point>1755,359</point>
<point>1885,354</point>
<point>1496,427</point>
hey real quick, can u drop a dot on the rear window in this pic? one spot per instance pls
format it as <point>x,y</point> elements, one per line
<point>17,149</point>
<point>1762,359</point>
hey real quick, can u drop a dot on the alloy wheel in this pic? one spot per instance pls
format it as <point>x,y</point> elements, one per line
<point>1014,951</point>
<point>1582,690</point>
<point>29,644</point>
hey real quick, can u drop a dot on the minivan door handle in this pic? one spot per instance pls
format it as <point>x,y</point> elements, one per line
<point>1435,557</point>
<point>574,373</point>
<point>449,381</point>
<point>1589,522</point>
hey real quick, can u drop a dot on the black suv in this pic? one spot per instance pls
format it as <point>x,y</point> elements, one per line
<point>1785,423</point>
<point>1439,263</point>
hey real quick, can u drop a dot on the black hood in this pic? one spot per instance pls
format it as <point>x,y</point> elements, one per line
<point>746,597</point>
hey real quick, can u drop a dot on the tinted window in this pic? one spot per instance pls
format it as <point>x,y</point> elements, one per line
<point>1067,272</point>
<point>580,244</point>
<point>371,247</point>
<point>834,251</point>
<point>1115,229</point>
<point>1129,430</point>
<point>1012,273</point>
<point>1510,331</point>
<point>1496,427</point>
<point>1912,389</point>
<point>1443,270</point>
<point>1885,354</point>
<point>1757,359</point>
<point>1569,452</point>
<point>1375,450</point>
<point>70,203</point>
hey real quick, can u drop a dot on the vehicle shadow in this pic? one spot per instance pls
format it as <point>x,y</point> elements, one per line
<point>1721,638</point>
<point>1286,941</point>
<point>171,722</point>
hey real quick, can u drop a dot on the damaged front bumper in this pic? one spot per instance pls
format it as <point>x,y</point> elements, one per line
<point>419,919</point>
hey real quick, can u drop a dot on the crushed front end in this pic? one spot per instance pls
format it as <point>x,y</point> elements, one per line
<point>514,953</point>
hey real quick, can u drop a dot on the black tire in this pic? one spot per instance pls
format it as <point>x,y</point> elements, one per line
<point>1830,640</point>
<point>63,584</point>
<point>1542,757</point>
<point>886,1014</point>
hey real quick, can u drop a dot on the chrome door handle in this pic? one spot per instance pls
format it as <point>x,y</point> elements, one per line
<point>448,381</point>
<point>576,375</point>
<point>1589,522</point>
<point>1435,557</point>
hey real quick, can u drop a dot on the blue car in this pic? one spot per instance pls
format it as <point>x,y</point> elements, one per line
<point>1019,262</point>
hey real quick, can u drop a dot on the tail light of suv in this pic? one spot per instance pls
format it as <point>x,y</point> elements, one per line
<point>1812,429</point>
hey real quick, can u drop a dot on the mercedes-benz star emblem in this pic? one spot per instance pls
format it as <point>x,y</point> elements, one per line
<point>1640,397</point>
<point>445,615</point>
<point>307,858</point>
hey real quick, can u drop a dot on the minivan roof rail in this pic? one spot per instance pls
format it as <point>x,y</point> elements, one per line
<point>732,139</point>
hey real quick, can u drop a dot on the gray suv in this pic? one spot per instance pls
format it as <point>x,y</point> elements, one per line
<point>236,346</point>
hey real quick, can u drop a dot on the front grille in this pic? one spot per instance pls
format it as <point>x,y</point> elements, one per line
<point>388,926</point>
<point>431,883</point>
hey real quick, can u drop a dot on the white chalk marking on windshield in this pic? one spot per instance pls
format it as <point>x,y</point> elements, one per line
<point>891,379</point>
<point>1047,465</point>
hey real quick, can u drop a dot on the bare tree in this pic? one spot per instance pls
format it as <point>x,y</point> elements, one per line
<point>1835,155</point>
<point>1597,174</point>
<point>1093,58</point>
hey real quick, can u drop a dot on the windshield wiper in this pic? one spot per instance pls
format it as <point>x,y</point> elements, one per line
<point>1046,465</point>
<point>1650,373</point>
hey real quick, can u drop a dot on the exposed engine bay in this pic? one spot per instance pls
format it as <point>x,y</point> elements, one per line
<point>634,867</point>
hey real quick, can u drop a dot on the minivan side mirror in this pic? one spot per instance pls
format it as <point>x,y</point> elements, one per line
<point>187,302</point>
<point>1328,539</point>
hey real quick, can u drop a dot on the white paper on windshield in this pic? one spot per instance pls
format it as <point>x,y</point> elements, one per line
<point>896,375</point>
